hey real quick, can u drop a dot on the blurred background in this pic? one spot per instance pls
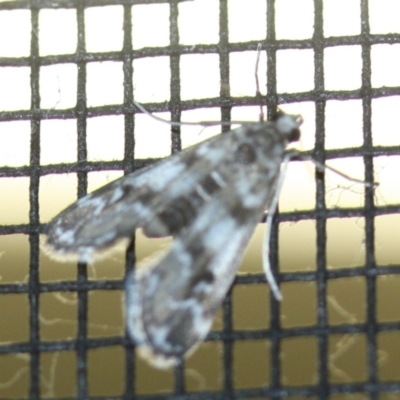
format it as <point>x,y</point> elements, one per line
<point>68,73</point>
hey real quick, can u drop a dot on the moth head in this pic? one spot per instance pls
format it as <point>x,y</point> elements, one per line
<point>288,125</point>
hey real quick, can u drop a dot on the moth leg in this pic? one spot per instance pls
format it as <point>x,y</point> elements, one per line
<point>271,213</point>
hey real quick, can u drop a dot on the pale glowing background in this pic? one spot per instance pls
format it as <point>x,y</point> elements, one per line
<point>200,79</point>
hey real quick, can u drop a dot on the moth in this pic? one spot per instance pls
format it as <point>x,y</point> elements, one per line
<point>210,198</point>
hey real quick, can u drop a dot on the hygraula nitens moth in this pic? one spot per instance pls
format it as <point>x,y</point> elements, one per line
<point>209,197</point>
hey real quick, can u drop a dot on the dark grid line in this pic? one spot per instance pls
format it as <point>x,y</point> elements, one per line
<point>180,49</point>
<point>90,166</point>
<point>237,335</point>
<point>82,278</point>
<point>224,68</point>
<point>369,205</point>
<point>129,155</point>
<point>285,98</point>
<point>176,145</point>
<point>224,65</point>
<point>321,273</point>
<point>175,79</point>
<point>34,282</point>
<point>319,95</point>
<point>71,286</point>
<point>40,4</point>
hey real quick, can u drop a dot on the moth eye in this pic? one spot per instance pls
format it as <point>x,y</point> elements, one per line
<point>245,154</point>
<point>294,135</point>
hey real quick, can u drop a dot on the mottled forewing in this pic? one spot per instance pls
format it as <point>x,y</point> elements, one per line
<point>97,222</point>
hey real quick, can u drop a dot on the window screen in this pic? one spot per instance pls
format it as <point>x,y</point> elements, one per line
<point>69,72</point>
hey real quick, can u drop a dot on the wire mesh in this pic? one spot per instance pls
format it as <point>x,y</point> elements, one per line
<point>323,334</point>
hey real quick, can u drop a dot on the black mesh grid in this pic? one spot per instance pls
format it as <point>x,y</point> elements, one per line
<point>372,387</point>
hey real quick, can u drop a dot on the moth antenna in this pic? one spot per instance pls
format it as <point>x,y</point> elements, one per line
<point>258,92</point>
<point>271,213</point>
<point>323,167</point>
<point>200,123</point>
<point>172,123</point>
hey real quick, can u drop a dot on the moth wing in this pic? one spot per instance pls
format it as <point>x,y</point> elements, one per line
<point>172,303</point>
<point>94,224</point>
